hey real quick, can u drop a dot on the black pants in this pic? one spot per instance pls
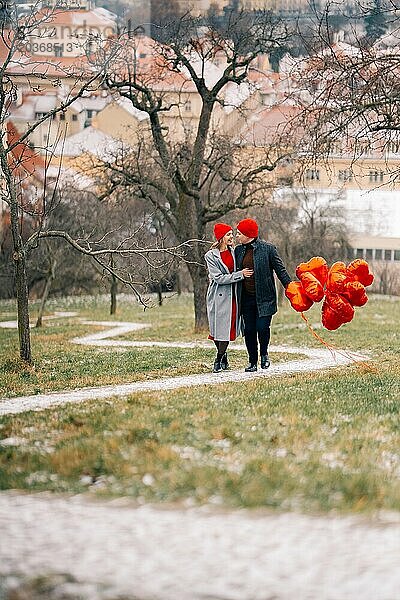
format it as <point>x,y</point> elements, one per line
<point>255,326</point>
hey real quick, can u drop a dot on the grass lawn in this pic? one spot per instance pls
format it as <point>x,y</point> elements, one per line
<point>310,442</point>
<point>60,364</point>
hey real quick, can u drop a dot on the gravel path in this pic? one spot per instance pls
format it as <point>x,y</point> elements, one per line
<point>318,358</point>
<point>114,548</point>
<point>55,316</point>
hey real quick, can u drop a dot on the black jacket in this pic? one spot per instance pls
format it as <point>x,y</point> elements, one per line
<point>266,261</point>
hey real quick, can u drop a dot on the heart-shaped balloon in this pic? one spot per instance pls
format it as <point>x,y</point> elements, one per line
<point>341,286</point>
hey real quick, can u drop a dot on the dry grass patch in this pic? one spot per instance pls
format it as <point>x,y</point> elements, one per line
<point>311,442</point>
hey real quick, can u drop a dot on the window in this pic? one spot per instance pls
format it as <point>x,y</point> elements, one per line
<point>388,255</point>
<point>39,115</point>
<point>378,254</point>
<point>345,175</point>
<point>396,255</point>
<point>312,174</point>
<point>360,253</point>
<point>74,117</point>
<point>363,147</point>
<point>188,106</point>
<point>285,180</point>
<point>368,254</point>
<point>89,114</point>
<point>394,147</point>
<point>376,176</point>
<point>336,148</point>
<point>62,116</point>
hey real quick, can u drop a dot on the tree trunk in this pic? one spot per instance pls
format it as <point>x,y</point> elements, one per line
<point>198,275</point>
<point>178,283</point>
<point>113,293</point>
<point>190,226</point>
<point>46,291</point>
<point>21,283</point>
<point>19,258</point>
<point>200,285</point>
<point>159,294</point>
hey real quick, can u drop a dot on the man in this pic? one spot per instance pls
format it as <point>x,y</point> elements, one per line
<point>258,293</point>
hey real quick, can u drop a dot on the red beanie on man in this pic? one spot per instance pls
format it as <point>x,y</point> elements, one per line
<point>248,227</point>
<point>221,229</point>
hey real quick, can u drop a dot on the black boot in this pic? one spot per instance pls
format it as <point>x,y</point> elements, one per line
<point>224,362</point>
<point>217,366</point>
<point>265,362</point>
<point>251,368</point>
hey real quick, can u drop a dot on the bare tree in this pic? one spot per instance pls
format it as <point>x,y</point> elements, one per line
<point>350,118</point>
<point>97,223</point>
<point>50,276</point>
<point>303,226</point>
<point>16,33</point>
<point>25,190</point>
<point>388,277</point>
<point>376,19</point>
<point>205,176</point>
<point>349,93</point>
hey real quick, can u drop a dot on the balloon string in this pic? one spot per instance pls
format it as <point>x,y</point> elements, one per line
<point>353,356</point>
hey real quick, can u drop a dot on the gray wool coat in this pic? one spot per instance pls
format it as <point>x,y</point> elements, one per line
<point>222,286</point>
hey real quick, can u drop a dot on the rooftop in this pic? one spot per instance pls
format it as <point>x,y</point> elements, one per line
<point>42,102</point>
<point>89,141</point>
<point>271,125</point>
<point>23,158</point>
<point>77,18</point>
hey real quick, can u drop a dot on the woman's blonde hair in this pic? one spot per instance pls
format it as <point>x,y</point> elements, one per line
<point>216,244</point>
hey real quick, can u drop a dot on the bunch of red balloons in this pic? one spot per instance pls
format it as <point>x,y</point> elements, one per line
<point>341,287</point>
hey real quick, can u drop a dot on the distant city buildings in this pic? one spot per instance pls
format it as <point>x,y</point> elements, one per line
<point>256,116</point>
<point>299,7</point>
<point>144,12</point>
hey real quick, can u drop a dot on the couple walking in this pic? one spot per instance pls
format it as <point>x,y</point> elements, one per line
<point>242,291</point>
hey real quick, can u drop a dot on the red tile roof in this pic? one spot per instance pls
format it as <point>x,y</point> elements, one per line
<point>273,125</point>
<point>74,18</point>
<point>3,47</point>
<point>49,66</point>
<point>148,61</point>
<point>24,160</point>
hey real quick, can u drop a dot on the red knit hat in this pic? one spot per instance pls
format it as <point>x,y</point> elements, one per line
<point>248,227</point>
<point>221,229</point>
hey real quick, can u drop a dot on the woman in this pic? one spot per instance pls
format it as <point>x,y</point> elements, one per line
<point>223,316</point>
